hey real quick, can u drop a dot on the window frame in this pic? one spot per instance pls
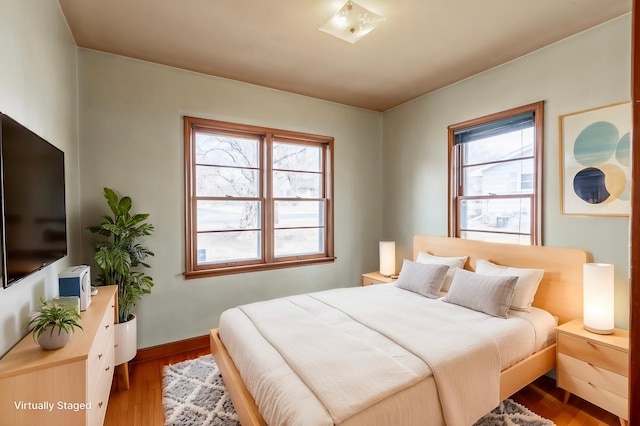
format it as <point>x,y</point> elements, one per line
<point>267,137</point>
<point>456,181</point>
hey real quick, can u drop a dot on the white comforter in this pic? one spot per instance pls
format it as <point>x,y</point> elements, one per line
<point>354,348</point>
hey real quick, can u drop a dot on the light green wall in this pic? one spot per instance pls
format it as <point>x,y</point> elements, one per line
<point>38,88</point>
<point>585,71</point>
<point>131,139</point>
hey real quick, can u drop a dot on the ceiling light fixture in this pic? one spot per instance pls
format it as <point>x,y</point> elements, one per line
<point>351,22</point>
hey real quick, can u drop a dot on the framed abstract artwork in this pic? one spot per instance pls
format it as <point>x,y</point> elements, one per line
<point>595,161</point>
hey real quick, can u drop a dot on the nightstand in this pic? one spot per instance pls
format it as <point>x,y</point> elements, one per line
<point>594,367</point>
<point>375,278</point>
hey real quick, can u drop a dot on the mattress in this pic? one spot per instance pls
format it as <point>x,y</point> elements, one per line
<point>284,398</point>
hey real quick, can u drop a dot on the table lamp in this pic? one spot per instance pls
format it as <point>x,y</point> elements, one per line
<point>598,298</point>
<point>387,258</point>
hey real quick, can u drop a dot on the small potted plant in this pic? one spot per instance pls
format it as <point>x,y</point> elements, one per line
<point>53,324</point>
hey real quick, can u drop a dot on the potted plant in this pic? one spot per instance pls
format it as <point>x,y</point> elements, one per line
<point>53,324</point>
<point>120,259</point>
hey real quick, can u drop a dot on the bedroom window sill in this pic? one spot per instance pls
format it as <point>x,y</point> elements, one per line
<point>203,273</point>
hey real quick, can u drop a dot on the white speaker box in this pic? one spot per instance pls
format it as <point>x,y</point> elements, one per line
<point>76,281</point>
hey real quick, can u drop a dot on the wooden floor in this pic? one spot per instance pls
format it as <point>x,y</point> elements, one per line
<point>141,405</point>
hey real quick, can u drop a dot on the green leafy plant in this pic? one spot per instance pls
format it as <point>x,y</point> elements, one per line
<point>53,314</point>
<point>121,256</point>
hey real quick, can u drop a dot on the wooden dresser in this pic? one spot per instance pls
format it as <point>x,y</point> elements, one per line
<point>67,386</point>
<point>595,367</point>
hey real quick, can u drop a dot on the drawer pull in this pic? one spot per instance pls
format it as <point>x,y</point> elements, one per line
<point>107,326</point>
<point>115,346</point>
<point>100,404</point>
<point>99,356</point>
<point>107,369</point>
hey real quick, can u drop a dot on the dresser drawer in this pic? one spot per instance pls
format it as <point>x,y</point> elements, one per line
<point>101,358</point>
<point>594,353</point>
<point>102,344</point>
<point>100,396</point>
<point>605,379</point>
<point>594,394</point>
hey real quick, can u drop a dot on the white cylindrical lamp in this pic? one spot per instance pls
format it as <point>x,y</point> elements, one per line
<point>387,258</point>
<point>598,287</point>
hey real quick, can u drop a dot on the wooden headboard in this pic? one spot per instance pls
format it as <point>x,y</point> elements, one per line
<point>560,291</point>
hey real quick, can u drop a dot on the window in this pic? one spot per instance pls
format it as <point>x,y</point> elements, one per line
<point>496,176</point>
<point>257,198</point>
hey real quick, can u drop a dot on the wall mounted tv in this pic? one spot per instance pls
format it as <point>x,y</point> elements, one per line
<point>34,229</point>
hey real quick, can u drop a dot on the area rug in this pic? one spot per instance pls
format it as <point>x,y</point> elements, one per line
<point>193,394</point>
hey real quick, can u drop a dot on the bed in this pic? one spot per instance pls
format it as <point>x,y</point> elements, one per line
<point>286,395</point>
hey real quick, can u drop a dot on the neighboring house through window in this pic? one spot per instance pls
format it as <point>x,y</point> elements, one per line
<point>496,176</point>
<point>257,198</point>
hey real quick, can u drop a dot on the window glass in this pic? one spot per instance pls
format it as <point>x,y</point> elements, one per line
<point>496,214</point>
<point>225,215</point>
<point>296,242</point>
<point>295,214</point>
<point>514,144</point>
<point>227,182</point>
<point>224,150</point>
<point>499,178</point>
<point>228,247</point>
<point>301,157</point>
<point>297,185</point>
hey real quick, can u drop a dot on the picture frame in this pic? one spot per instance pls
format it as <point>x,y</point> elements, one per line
<point>595,161</point>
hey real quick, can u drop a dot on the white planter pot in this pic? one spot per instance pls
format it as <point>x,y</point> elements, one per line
<point>126,337</point>
<point>53,338</point>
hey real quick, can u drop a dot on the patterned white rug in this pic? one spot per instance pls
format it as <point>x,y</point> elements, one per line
<point>193,394</point>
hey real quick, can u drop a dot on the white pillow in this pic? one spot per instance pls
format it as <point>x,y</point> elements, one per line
<point>485,293</point>
<point>422,279</point>
<point>452,262</point>
<point>526,287</point>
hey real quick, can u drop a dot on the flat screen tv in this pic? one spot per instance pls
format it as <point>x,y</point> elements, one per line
<point>34,230</point>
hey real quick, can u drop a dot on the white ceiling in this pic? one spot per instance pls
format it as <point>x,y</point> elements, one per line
<point>422,45</point>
